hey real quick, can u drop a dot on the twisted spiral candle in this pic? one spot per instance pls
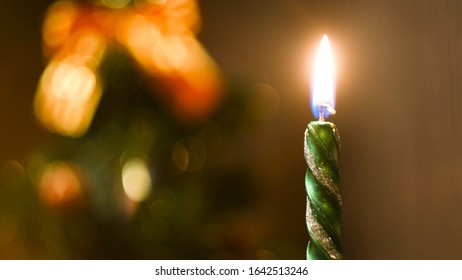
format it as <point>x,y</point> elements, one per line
<point>324,203</point>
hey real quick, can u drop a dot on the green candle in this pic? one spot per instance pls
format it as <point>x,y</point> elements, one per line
<point>322,146</point>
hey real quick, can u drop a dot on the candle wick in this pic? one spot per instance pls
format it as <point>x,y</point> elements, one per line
<point>322,107</point>
<point>321,114</point>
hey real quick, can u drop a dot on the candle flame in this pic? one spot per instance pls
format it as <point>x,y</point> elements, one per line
<point>323,97</point>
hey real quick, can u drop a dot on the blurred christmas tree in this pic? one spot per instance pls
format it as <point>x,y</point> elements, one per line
<point>146,164</point>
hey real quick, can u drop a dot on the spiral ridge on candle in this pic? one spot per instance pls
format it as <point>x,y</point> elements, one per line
<point>324,202</point>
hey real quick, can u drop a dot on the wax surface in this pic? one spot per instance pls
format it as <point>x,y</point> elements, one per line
<point>324,203</point>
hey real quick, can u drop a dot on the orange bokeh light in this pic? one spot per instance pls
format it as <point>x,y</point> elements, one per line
<point>60,184</point>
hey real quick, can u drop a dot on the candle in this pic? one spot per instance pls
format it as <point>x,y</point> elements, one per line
<point>322,146</point>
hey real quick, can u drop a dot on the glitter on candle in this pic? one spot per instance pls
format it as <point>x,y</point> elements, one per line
<point>324,202</point>
<point>320,234</point>
<point>320,175</point>
<point>322,181</point>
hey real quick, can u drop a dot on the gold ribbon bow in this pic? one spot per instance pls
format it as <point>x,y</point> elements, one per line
<point>160,38</point>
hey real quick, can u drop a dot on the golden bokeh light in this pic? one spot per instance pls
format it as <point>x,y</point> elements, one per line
<point>160,35</point>
<point>58,24</point>
<point>180,156</point>
<point>70,89</point>
<point>193,80</point>
<point>136,179</point>
<point>72,81</point>
<point>172,16</point>
<point>140,3</point>
<point>189,154</point>
<point>115,4</point>
<point>67,96</point>
<point>180,60</point>
<point>89,45</point>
